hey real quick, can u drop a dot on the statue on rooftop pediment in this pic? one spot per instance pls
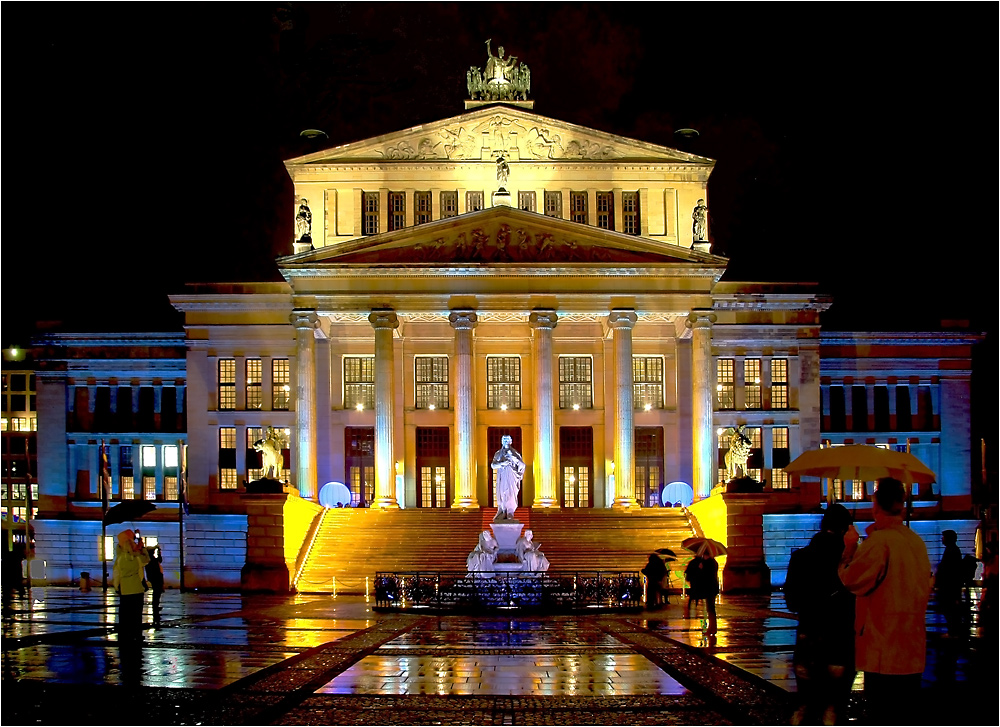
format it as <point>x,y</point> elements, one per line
<point>303,223</point>
<point>501,80</point>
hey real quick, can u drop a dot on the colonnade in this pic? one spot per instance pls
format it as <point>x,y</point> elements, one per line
<point>542,323</point>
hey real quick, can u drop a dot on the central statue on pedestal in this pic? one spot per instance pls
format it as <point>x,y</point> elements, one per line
<point>510,467</point>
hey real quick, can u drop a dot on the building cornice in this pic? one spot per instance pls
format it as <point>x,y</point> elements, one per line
<point>679,270</point>
<point>899,338</point>
<point>82,340</point>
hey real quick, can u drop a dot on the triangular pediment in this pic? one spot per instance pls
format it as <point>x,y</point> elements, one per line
<point>497,236</point>
<point>479,134</point>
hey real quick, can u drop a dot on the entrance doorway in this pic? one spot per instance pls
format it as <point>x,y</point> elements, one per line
<point>648,465</point>
<point>433,466</point>
<point>359,446</point>
<point>576,458</point>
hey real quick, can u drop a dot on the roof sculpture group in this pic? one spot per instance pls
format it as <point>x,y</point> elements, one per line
<point>502,79</point>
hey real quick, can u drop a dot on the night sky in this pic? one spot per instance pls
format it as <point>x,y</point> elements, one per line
<point>144,143</point>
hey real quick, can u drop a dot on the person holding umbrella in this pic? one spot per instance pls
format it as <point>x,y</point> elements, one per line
<point>702,573</point>
<point>890,574</point>
<point>130,559</point>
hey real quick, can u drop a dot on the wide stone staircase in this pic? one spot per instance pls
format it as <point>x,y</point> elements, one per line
<point>351,544</point>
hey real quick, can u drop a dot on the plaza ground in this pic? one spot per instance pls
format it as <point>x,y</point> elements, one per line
<point>228,658</point>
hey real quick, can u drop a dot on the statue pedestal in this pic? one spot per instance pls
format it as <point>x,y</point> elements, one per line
<point>506,534</point>
<point>501,198</point>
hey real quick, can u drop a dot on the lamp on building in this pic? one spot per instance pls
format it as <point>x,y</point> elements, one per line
<point>503,407</point>
<point>648,407</point>
<point>431,407</point>
<point>576,407</point>
<point>359,406</point>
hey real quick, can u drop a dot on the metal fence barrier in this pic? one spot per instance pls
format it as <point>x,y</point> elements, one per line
<point>508,590</point>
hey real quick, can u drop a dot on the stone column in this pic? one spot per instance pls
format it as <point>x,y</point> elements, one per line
<point>702,376</point>
<point>542,322</point>
<point>464,321</point>
<point>384,322</point>
<point>305,322</point>
<point>622,321</point>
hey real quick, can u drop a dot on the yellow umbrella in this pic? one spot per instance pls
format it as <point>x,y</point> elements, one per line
<point>861,462</point>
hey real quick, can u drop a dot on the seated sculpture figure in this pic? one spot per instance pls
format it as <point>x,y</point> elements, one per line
<point>482,558</point>
<point>532,559</point>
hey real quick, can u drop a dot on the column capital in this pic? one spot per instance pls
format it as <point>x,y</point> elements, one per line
<point>463,319</point>
<point>622,318</point>
<point>544,318</point>
<point>382,318</point>
<point>700,318</point>
<point>304,318</point>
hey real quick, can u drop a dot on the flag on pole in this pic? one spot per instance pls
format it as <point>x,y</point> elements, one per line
<point>105,476</point>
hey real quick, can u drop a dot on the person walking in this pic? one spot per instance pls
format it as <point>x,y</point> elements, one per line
<point>890,574</point>
<point>948,584</point>
<point>130,559</point>
<point>655,571</point>
<point>824,643</point>
<point>154,576</point>
<point>702,573</point>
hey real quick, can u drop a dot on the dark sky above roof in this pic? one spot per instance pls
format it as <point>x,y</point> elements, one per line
<point>144,142</point>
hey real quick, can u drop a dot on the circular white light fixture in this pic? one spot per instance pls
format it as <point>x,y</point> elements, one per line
<point>576,407</point>
<point>647,407</point>
<point>359,406</point>
<point>503,407</point>
<point>432,407</point>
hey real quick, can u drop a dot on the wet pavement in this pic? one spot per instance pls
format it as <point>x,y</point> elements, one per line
<point>224,658</point>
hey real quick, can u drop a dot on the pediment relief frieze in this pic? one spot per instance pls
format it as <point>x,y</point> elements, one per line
<point>502,243</point>
<point>484,134</point>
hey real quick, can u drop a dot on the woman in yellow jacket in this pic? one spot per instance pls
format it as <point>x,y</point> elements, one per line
<point>130,560</point>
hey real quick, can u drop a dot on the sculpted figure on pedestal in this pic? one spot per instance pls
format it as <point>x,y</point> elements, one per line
<point>482,558</point>
<point>509,466</point>
<point>303,223</point>
<point>699,221</point>
<point>532,559</point>
<point>270,448</point>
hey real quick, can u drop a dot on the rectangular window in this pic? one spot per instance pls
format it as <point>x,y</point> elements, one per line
<point>369,213</point>
<point>227,458</point>
<point>858,490</point>
<point>255,397</point>
<point>148,487</point>
<point>647,382</point>
<point>648,465</point>
<point>449,204</point>
<point>779,480</point>
<point>397,210</point>
<point>779,383</point>
<point>553,204</point>
<point>904,418</point>
<point>227,384</point>
<point>725,387</point>
<point>281,390</point>
<point>253,458</point>
<point>780,453</point>
<point>170,488</point>
<point>578,207</point>
<point>421,207</point>
<point>881,408</point>
<point>859,409</point>
<point>838,411</point>
<point>431,375</point>
<point>126,487</point>
<point>148,457</point>
<point>503,382</point>
<point>576,387</point>
<point>751,383</point>
<point>630,213</point>
<point>359,382</point>
<point>526,201</point>
<point>576,456</point>
<point>473,201</point>
<point>606,210</point>
<point>838,489</point>
<point>433,451</point>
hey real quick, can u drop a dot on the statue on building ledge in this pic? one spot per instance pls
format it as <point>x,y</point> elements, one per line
<point>303,224</point>
<point>699,222</point>
<point>269,446</point>
<point>502,79</point>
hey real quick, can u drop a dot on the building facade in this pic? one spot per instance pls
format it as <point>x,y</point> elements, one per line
<point>495,273</point>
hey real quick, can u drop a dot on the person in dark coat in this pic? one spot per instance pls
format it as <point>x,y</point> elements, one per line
<point>656,574</point>
<point>154,575</point>
<point>824,645</point>
<point>948,582</point>
<point>702,573</point>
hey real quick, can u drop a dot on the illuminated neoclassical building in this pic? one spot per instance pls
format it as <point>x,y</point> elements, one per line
<point>500,272</point>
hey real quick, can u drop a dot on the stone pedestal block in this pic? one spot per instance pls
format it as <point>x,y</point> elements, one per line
<point>746,569</point>
<point>265,569</point>
<point>506,535</point>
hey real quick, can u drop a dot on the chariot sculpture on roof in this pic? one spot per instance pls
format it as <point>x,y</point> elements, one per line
<point>503,79</point>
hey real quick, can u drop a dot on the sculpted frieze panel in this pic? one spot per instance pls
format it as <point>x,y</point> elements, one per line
<point>502,244</point>
<point>499,133</point>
